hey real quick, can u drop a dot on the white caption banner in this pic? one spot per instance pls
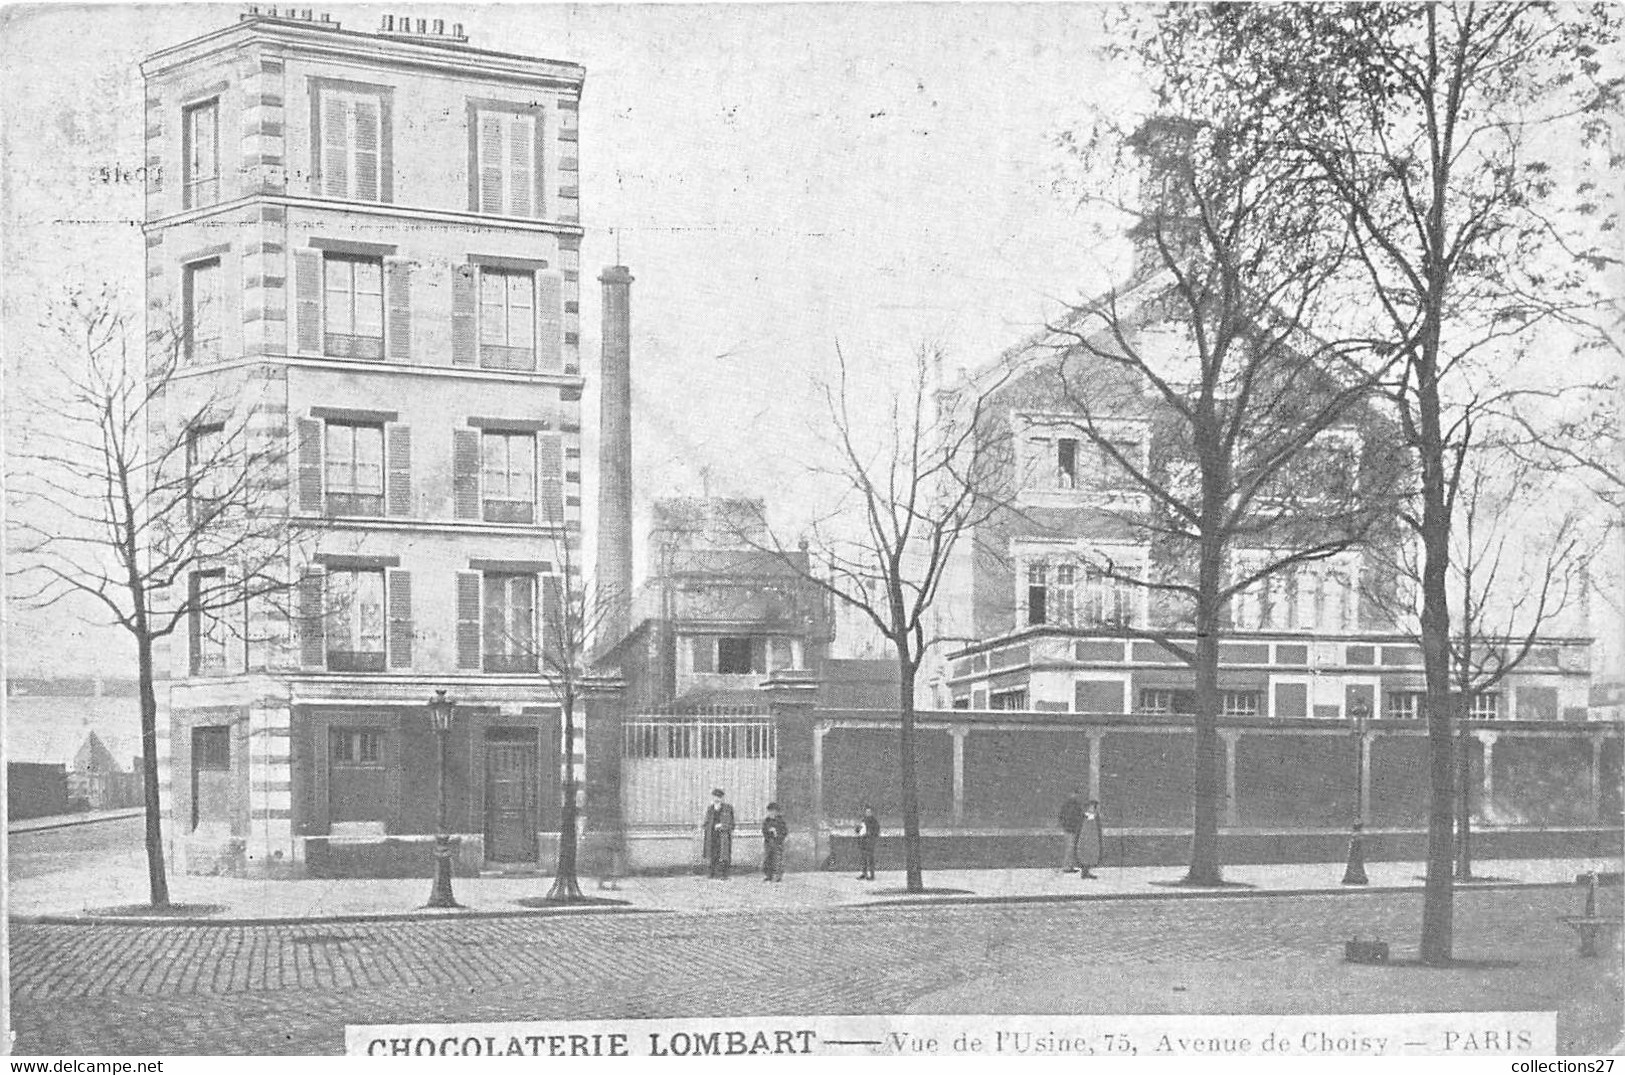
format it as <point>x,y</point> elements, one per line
<point>1463,1034</point>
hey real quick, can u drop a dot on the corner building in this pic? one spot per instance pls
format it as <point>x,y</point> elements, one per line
<point>372,239</point>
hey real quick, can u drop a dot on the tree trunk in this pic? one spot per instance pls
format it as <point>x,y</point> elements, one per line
<point>566,885</point>
<point>911,797</point>
<point>1207,782</point>
<point>157,882</point>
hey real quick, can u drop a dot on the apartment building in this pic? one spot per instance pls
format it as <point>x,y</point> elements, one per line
<point>371,241</point>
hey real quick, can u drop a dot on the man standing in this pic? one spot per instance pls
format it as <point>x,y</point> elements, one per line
<point>868,831</point>
<point>1071,827</point>
<point>774,832</point>
<point>719,836</point>
<point>1091,841</point>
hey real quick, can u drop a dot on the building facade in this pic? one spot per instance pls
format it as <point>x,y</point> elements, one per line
<point>371,242</point>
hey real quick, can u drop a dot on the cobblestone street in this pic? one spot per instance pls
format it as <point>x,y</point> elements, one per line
<point>291,989</point>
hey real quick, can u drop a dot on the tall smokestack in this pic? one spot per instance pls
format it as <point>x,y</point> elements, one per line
<point>614,568</point>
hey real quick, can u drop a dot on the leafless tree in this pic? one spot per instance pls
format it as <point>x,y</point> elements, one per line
<point>918,474</point>
<point>153,495</point>
<point>1223,435</point>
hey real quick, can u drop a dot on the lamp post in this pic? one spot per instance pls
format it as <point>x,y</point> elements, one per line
<point>441,710</point>
<point>1354,872</point>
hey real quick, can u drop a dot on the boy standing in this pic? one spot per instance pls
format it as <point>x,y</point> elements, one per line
<point>868,831</point>
<point>774,832</point>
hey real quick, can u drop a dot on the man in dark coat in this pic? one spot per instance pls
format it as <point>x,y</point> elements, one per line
<point>719,836</point>
<point>1071,825</point>
<point>868,831</point>
<point>1091,841</point>
<point>774,832</point>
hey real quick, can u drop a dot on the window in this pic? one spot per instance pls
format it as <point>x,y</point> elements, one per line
<point>1240,704</point>
<point>1061,594</point>
<point>507,319</point>
<point>355,621</point>
<point>1037,593</point>
<point>353,307</point>
<point>211,748</point>
<point>506,168</point>
<point>1165,701</point>
<point>1405,705</point>
<point>352,142</point>
<point>509,477</point>
<point>1012,699</point>
<point>358,746</point>
<point>1484,706</point>
<point>208,625</point>
<point>355,469</point>
<point>208,476</point>
<point>510,623</point>
<point>1082,594</point>
<point>200,145</point>
<point>1318,596</point>
<point>203,296</point>
<point>1108,601</point>
<point>734,657</point>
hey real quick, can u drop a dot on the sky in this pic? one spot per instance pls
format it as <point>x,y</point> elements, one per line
<point>781,179</point>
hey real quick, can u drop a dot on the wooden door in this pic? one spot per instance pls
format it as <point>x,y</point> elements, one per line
<point>510,798</point>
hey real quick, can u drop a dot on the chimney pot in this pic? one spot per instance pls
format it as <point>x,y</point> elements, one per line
<point>326,17</point>
<point>308,15</point>
<point>440,26</point>
<point>423,26</point>
<point>457,29</point>
<point>389,23</point>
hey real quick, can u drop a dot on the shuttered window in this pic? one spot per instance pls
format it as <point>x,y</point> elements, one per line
<point>354,469</point>
<point>209,630</point>
<point>355,621</point>
<point>203,298</point>
<point>207,476</point>
<point>508,477</point>
<point>507,319</point>
<point>353,306</point>
<point>200,137</point>
<point>352,144</point>
<point>509,637</point>
<point>505,160</point>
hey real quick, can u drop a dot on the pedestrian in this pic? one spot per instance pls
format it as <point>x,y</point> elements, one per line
<point>719,835</point>
<point>1091,841</point>
<point>774,831</point>
<point>868,831</point>
<point>1071,829</point>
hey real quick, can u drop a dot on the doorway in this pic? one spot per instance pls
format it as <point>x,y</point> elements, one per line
<point>510,795</point>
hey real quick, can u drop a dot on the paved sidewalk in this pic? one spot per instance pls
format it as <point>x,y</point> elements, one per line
<point>76,894</point>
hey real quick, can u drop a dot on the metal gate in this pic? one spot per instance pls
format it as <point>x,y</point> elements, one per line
<point>669,764</point>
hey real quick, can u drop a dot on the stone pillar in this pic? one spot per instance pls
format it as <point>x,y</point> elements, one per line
<point>958,735</point>
<point>1595,798</point>
<point>1096,737</point>
<point>269,848</point>
<point>1487,788</point>
<point>790,694</point>
<point>602,848</point>
<point>1232,814</point>
<point>817,823</point>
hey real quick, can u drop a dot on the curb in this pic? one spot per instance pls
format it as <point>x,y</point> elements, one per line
<point>918,901</point>
<point>23,828</point>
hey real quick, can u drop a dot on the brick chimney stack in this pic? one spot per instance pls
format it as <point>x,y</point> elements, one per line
<point>614,568</point>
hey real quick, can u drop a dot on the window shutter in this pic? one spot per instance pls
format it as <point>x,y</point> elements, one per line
<point>335,146</point>
<point>555,632</point>
<point>490,162</point>
<point>311,619</point>
<point>398,307</point>
<point>549,321</point>
<point>307,287</point>
<point>465,473</point>
<point>398,483</point>
<point>758,655</point>
<point>465,349</point>
<point>398,586</point>
<point>234,619</point>
<point>521,163</point>
<point>366,149</point>
<point>310,465</point>
<point>468,620</point>
<point>194,625</point>
<point>705,655</point>
<point>550,477</point>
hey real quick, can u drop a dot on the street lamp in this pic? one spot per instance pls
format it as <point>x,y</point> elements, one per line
<point>1354,872</point>
<point>441,710</point>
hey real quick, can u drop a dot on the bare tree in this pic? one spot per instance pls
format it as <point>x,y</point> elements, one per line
<point>153,496</point>
<point>1224,436</point>
<point>910,493</point>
